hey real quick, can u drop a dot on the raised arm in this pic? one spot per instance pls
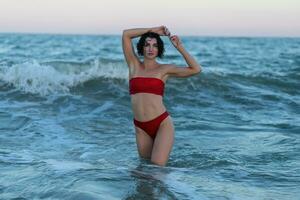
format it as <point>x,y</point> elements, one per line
<point>193,66</point>
<point>129,34</point>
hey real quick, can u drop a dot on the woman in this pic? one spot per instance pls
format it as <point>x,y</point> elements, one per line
<point>153,125</point>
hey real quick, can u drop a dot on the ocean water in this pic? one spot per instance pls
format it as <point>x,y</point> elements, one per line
<point>66,128</point>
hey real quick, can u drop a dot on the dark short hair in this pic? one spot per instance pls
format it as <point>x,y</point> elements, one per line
<point>141,43</point>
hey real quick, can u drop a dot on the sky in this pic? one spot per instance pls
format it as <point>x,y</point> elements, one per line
<point>182,17</point>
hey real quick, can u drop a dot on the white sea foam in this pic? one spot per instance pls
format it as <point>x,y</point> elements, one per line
<point>45,79</point>
<point>64,165</point>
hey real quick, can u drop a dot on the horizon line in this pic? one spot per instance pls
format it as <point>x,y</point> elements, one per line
<point>182,35</point>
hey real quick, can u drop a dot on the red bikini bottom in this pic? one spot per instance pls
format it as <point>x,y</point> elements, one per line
<point>151,127</point>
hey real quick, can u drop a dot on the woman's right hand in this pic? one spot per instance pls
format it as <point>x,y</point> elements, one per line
<point>161,30</point>
<point>175,41</point>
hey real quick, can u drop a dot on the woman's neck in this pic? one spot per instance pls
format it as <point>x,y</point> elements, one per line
<point>150,64</point>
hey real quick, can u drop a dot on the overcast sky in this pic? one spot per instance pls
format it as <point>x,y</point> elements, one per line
<point>183,17</point>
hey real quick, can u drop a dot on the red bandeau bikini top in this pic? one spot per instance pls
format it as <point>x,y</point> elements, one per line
<point>146,85</point>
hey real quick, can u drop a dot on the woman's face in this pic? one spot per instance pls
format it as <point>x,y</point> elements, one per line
<point>150,48</point>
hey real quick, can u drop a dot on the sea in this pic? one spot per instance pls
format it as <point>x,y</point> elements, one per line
<point>66,124</point>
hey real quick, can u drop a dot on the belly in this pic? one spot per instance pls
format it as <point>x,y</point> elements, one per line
<point>147,106</point>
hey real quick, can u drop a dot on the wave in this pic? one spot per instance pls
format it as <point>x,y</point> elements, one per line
<point>60,77</point>
<point>57,77</point>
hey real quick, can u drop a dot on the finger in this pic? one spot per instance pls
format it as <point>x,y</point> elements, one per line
<point>167,31</point>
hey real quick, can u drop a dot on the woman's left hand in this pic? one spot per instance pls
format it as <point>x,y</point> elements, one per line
<point>161,30</point>
<point>175,41</point>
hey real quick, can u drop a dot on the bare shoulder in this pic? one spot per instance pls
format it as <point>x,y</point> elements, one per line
<point>134,68</point>
<point>136,64</point>
<point>166,67</point>
<point>164,70</point>
<point>178,71</point>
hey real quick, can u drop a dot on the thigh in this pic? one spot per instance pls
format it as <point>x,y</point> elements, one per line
<point>144,143</point>
<point>163,142</point>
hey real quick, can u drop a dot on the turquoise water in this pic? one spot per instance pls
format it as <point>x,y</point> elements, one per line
<point>66,128</point>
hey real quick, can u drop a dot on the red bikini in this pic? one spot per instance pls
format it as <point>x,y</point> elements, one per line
<point>146,85</point>
<point>153,86</point>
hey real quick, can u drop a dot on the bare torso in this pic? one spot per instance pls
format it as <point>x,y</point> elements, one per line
<point>146,106</point>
